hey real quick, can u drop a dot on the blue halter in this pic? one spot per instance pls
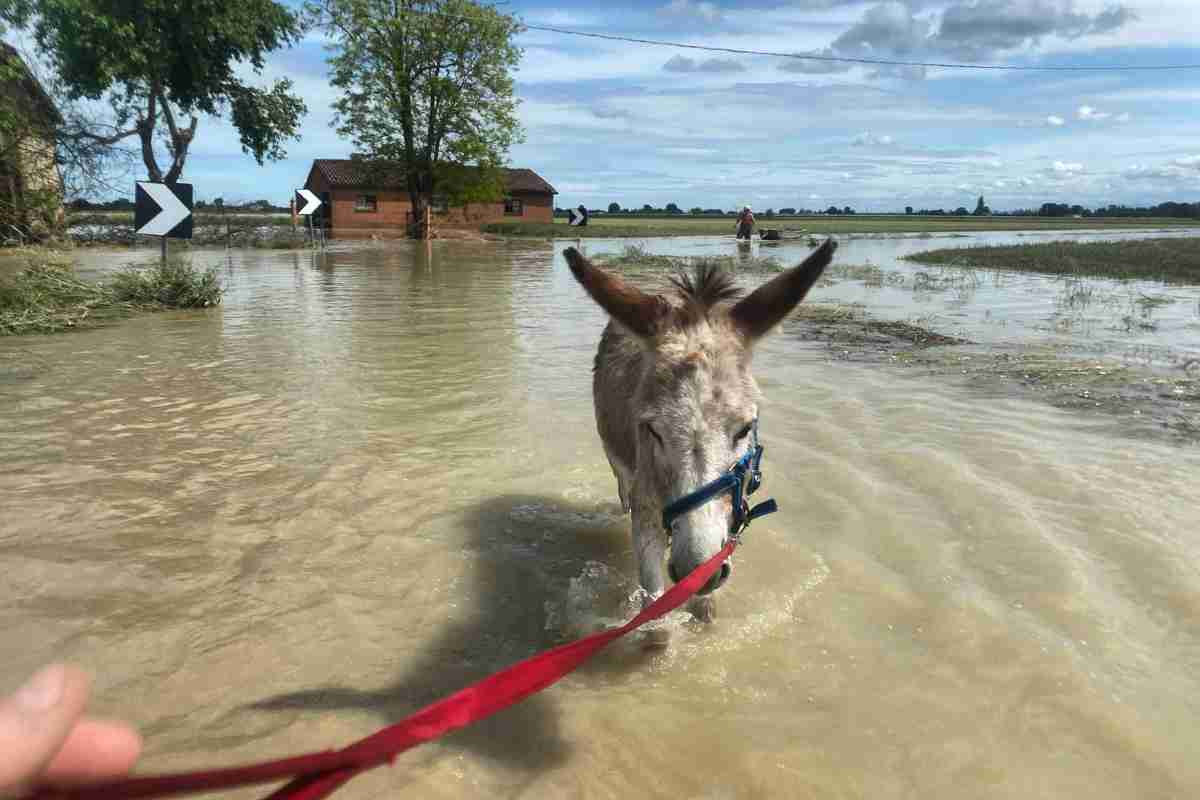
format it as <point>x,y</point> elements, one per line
<point>741,480</point>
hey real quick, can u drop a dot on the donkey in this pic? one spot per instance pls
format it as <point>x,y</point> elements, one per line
<point>676,404</point>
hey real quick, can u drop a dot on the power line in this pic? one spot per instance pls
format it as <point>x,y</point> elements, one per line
<point>852,60</point>
<point>886,62</point>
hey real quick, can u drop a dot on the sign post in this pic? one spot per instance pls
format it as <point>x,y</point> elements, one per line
<point>577,217</point>
<point>305,203</point>
<point>163,210</point>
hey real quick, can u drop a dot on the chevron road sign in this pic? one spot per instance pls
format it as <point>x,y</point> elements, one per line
<point>306,202</point>
<point>163,209</point>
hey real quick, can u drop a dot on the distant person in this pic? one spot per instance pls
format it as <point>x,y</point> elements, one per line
<point>45,739</point>
<point>745,223</point>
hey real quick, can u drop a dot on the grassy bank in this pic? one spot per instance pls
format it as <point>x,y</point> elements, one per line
<point>634,227</point>
<point>1175,260</point>
<point>47,296</point>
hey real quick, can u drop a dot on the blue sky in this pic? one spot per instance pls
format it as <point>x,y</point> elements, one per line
<point>610,121</point>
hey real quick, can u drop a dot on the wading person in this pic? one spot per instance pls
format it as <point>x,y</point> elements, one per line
<point>745,223</point>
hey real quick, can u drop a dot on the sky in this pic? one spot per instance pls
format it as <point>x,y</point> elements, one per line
<point>608,121</point>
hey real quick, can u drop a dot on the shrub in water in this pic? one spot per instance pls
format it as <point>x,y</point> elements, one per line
<point>175,284</point>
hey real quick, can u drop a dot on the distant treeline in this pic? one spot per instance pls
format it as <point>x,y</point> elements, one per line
<point>672,210</point>
<point>1168,209</point>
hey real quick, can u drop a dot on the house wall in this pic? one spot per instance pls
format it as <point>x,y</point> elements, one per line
<point>31,185</point>
<point>393,208</point>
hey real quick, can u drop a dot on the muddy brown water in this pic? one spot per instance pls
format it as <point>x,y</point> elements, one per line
<point>371,477</point>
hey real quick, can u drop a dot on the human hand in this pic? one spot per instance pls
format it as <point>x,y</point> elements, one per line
<point>45,739</point>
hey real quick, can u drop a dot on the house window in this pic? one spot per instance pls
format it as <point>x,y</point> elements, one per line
<point>366,202</point>
<point>514,206</point>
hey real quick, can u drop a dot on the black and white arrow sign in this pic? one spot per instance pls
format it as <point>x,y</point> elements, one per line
<point>577,216</point>
<point>306,202</point>
<point>163,209</point>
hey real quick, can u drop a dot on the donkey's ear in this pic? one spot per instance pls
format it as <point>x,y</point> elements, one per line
<point>767,305</point>
<point>641,313</point>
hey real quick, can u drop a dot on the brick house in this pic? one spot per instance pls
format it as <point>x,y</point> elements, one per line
<point>357,200</point>
<point>31,185</point>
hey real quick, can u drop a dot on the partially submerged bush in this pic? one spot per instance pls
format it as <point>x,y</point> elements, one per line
<point>175,284</point>
<point>47,296</point>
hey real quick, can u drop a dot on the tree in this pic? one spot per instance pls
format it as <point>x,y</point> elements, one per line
<point>981,210</point>
<point>696,210</point>
<point>908,210</point>
<point>158,61</point>
<point>961,211</point>
<point>614,208</point>
<point>833,210</point>
<point>673,209</point>
<point>427,92</point>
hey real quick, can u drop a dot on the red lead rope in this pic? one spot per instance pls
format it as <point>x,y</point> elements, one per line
<point>316,775</point>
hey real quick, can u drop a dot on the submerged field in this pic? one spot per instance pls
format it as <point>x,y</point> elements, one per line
<point>371,477</point>
<point>622,226</point>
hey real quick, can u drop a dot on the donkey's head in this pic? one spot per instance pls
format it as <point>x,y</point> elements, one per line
<point>695,400</point>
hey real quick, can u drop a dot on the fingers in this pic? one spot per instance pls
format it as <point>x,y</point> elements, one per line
<point>36,720</point>
<point>44,739</point>
<point>95,750</point>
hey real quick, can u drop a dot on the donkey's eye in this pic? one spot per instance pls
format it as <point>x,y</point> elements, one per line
<point>743,433</point>
<point>652,432</point>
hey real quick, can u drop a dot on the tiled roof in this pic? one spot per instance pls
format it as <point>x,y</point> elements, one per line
<point>346,173</point>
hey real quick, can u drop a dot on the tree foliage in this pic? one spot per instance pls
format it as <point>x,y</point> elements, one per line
<point>160,61</point>
<point>427,88</point>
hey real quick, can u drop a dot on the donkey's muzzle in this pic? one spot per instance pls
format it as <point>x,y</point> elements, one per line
<point>713,583</point>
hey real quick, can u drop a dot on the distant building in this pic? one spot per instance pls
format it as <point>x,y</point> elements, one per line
<point>358,197</point>
<point>31,185</point>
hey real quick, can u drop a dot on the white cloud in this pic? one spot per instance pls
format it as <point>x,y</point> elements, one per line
<point>1123,117</point>
<point>1055,121</point>
<point>866,138</point>
<point>1175,169</point>
<point>814,197</point>
<point>1067,167</point>
<point>1089,113</point>
<point>703,9</point>
<point>679,63</point>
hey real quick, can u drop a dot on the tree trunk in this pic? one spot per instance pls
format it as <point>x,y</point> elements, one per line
<point>416,226</point>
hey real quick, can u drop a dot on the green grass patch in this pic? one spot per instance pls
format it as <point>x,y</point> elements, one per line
<point>635,259</point>
<point>1173,260</point>
<point>48,297</point>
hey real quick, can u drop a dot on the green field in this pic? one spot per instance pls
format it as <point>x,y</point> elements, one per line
<point>638,226</point>
<point>1167,259</point>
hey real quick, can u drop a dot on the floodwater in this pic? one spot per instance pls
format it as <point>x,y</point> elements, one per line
<point>371,477</point>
